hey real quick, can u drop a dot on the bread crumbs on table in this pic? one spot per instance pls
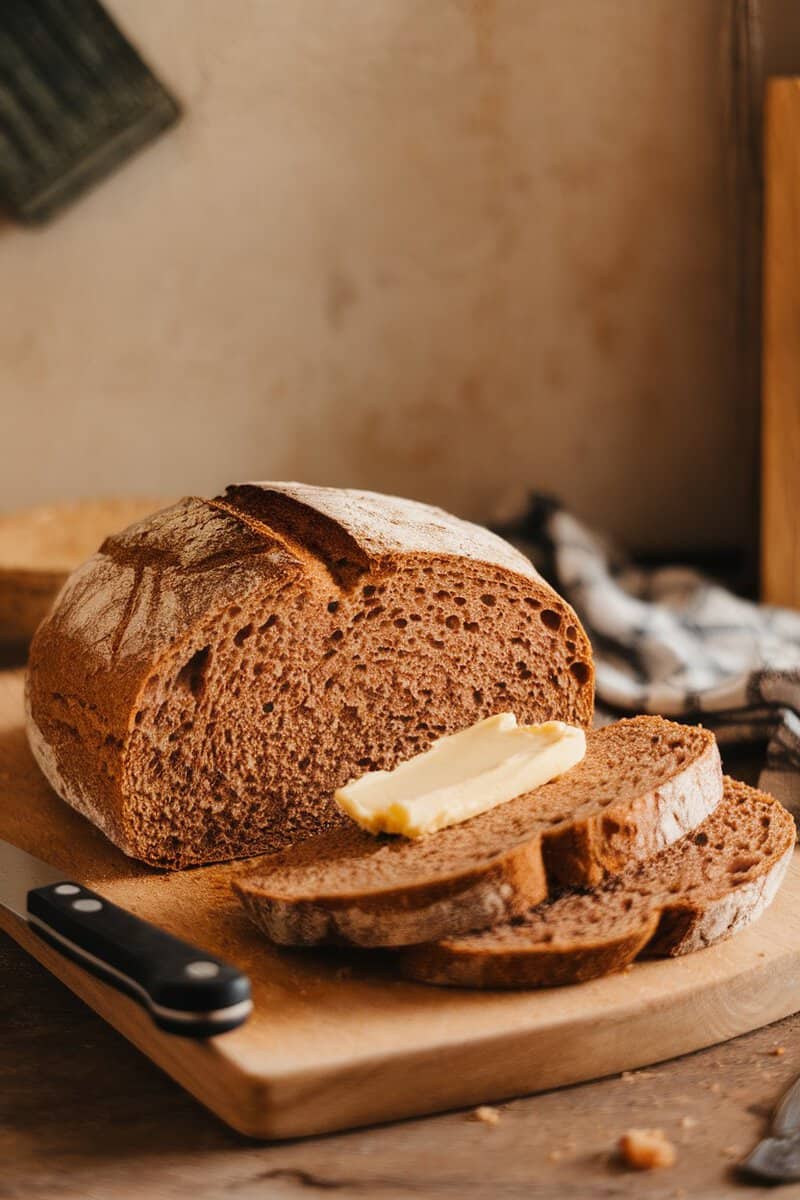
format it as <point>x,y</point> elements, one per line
<point>646,1149</point>
<point>486,1114</point>
<point>778,1051</point>
<point>688,1122</point>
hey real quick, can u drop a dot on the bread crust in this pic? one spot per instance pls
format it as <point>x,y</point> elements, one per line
<point>582,853</point>
<point>113,623</point>
<point>667,925</point>
<point>158,593</point>
<point>474,900</point>
<point>378,526</point>
<point>578,851</point>
<point>448,964</point>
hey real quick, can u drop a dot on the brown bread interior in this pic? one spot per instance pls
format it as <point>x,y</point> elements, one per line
<point>707,885</point>
<point>643,783</point>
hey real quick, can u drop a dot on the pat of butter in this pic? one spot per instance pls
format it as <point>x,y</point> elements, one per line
<point>462,775</point>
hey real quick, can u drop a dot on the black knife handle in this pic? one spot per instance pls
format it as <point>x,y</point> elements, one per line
<point>185,990</point>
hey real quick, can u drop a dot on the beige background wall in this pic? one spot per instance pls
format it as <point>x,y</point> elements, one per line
<point>441,247</point>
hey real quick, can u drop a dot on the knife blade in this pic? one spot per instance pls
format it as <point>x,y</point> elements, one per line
<point>776,1159</point>
<point>186,991</point>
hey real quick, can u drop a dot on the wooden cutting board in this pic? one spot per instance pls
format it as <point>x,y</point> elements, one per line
<point>337,1042</point>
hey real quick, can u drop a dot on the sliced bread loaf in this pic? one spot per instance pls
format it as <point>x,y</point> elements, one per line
<point>708,885</point>
<point>213,673</point>
<point>644,782</point>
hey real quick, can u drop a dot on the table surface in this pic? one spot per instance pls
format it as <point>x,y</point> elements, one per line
<point>83,1115</point>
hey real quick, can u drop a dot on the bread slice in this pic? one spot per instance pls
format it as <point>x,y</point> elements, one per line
<point>644,782</point>
<point>208,678</point>
<point>705,887</point>
<point>40,546</point>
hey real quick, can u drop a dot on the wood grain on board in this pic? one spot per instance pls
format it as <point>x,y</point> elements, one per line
<point>337,1042</point>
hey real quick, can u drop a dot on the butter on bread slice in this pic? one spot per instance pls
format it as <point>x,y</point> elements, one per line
<point>643,783</point>
<point>462,775</point>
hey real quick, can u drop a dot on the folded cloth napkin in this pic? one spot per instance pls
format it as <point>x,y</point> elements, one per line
<point>670,640</point>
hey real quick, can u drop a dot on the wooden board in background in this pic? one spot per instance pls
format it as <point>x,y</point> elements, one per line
<point>40,546</point>
<point>780,448</point>
<point>332,1046</point>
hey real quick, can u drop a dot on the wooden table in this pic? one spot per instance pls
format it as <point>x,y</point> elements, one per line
<point>84,1116</point>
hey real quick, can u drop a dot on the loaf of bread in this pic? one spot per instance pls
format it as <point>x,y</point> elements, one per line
<point>643,783</point>
<point>206,680</point>
<point>705,887</point>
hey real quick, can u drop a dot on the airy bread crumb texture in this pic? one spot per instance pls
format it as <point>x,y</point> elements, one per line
<point>643,783</point>
<point>708,885</point>
<point>241,744</point>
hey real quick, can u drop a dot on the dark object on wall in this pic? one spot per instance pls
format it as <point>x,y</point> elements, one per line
<point>76,101</point>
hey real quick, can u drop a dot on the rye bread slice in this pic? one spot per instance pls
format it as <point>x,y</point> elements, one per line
<point>644,783</point>
<point>705,887</point>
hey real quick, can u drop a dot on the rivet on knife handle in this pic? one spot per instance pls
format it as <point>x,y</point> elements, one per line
<point>185,990</point>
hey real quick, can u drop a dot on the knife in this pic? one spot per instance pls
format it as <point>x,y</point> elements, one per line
<point>776,1159</point>
<point>185,990</point>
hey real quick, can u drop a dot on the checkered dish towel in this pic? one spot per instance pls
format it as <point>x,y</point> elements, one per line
<point>672,641</point>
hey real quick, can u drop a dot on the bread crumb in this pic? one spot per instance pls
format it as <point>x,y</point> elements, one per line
<point>778,1051</point>
<point>732,1152</point>
<point>646,1149</point>
<point>688,1122</point>
<point>562,1151</point>
<point>716,1088</point>
<point>486,1114</point>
